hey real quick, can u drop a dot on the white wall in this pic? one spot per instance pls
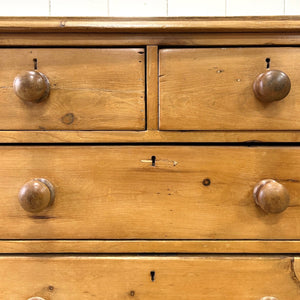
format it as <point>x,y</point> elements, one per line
<point>131,8</point>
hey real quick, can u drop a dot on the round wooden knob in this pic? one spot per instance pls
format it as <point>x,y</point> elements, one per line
<point>36,195</point>
<point>272,85</point>
<point>268,298</point>
<point>36,298</point>
<point>271,196</point>
<point>32,86</point>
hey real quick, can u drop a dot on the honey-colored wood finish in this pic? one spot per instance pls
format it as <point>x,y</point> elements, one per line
<point>151,277</point>
<point>211,89</point>
<point>114,192</point>
<point>142,39</point>
<point>147,34</point>
<point>152,136</point>
<point>150,246</point>
<point>152,88</point>
<point>90,89</point>
<point>150,25</point>
<point>110,199</point>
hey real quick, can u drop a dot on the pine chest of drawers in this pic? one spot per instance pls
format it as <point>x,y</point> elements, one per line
<point>150,158</point>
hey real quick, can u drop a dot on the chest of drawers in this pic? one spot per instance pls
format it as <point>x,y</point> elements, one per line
<point>150,158</point>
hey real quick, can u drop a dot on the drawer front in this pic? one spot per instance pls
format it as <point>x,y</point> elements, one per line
<point>212,89</point>
<point>115,192</point>
<point>90,89</point>
<point>181,277</point>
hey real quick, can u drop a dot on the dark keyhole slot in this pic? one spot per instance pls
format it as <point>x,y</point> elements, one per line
<point>268,62</point>
<point>152,274</point>
<point>153,158</point>
<point>35,63</point>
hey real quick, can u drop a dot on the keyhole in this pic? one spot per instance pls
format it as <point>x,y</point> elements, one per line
<point>35,63</point>
<point>268,62</point>
<point>153,158</point>
<point>152,274</point>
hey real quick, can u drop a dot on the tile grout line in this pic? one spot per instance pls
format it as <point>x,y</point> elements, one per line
<point>108,7</point>
<point>49,7</point>
<point>284,7</point>
<point>225,8</point>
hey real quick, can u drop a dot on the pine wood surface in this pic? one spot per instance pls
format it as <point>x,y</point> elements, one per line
<point>149,136</point>
<point>108,201</point>
<point>129,277</point>
<point>141,39</point>
<point>152,88</point>
<point>219,32</point>
<point>211,89</point>
<point>156,24</point>
<point>90,89</point>
<point>150,246</point>
<point>114,192</point>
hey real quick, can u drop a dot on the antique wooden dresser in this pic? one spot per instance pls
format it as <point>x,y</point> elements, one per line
<point>150,159</point>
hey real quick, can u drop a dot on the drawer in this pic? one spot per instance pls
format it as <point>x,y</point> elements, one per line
<point>147,192</point>
<point>152,277</point>
<point>89,89</point>
<point>212,89</point>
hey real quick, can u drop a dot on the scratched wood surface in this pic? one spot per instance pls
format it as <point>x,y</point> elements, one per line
<point>152,277</point>
<point>211,89</point>
<point>114,192</point>
<point>91,89</point>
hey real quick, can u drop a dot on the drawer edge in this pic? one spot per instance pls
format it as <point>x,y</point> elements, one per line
<point>151,136</point>
<point>150,246</point>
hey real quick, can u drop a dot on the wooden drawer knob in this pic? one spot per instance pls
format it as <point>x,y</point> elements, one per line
<point>32,86</point>
<point>268,298</point>
<point>36,298</point>
<point>272,85</point>
<point>36,195</point>
<point>271,196</point>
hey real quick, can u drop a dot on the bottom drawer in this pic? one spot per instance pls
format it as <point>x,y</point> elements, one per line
<point>149,277</point>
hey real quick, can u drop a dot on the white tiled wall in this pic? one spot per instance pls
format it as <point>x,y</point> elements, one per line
<point>254,7</point>
<point>77,7</point>
<point>24,8</point>
<point>143,8</point>
<point>196,8</point>
<point>292,7</point>
<point>137,8</point>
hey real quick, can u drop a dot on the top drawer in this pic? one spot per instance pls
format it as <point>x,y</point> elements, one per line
<point>90,89</point>
<point>212,89</point>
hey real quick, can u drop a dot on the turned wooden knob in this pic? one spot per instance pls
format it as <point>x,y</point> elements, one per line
<point>271,196</point>
<point>32,86</point>
<point>272,85</point>
<point>268,298</point>
<point>36,195</point>
<point>36,298</point>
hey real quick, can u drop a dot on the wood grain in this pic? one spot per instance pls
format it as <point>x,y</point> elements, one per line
<point>138,39</point>
<point>162,24</point>
<point>128,277</point>
<point>211,89</point>
<point>152,87</point>
<point>113,192</point>
<point>149,136</point>
<point>150,246</point>
<point>91,89</point>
